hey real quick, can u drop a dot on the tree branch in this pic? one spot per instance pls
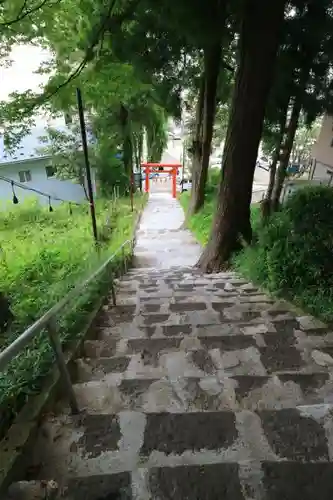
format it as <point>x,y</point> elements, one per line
<point>45,96</point>
<point>22,14</point>
<point>228,66</point>
<point>119,19</point>
<point>96,37</point>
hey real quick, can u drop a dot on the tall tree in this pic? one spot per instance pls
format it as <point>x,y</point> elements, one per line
<point>258,45</point>
<point>121,100</point>
<point>214,37</point>
<point>303,79</point>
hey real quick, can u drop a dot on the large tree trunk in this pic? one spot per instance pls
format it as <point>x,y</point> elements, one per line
<point>258,46</point>
<point>212,61</point>
<point>197,143</point>
<point>266,203</point>
<point>286,152</point>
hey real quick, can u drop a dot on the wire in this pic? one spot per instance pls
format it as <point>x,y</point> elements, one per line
<point>27,188</point>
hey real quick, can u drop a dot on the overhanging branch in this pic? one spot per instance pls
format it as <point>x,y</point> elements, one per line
<point>22,14</point>
<point>45,96</point>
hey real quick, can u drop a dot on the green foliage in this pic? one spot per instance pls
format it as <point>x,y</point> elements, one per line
<point>157,137</point>
<point>79,40</point>
<point>43,255</point>
<point>305,138</point>
<point>304,68</point>
<point>65,149</point>
<point>213,182</point>
<point>201,222</point>
<point>293,255</point>
<point>111,173</point>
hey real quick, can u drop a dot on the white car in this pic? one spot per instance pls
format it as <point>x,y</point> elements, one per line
<point>215,161</point>
<point>187,185</point>
<point>263,162</point>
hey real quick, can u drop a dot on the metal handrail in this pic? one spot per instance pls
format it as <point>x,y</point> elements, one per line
<point>48,321</point>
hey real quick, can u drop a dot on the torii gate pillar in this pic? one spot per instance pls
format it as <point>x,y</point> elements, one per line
<point>172,168</point>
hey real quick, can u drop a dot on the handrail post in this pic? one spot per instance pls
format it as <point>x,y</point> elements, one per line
<point>56,346</point>
<point>113,291</point>
<point>124,258</point>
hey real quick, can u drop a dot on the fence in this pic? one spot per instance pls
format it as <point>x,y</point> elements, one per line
<point>48,322</point>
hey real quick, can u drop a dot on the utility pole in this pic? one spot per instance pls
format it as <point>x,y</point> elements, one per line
<point>87,164</point>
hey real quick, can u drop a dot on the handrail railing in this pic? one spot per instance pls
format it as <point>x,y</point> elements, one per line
<point>48,321</point>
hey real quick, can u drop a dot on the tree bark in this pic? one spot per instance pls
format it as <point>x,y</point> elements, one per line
<point>197,144</point>
<point>212,62</point>
<point>258,46</point>
<point>286,152</point>
<point>266,203</point>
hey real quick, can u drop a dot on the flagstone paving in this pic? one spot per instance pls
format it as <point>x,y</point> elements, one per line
<point>198,387</point>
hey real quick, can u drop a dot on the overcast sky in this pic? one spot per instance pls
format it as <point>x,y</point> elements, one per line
<point>20,75</point>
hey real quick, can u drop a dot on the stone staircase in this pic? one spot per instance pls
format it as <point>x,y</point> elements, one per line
<point>199,387</point>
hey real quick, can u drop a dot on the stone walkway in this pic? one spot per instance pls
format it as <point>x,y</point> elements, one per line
<point>199,387</point>
<point>161,243</point>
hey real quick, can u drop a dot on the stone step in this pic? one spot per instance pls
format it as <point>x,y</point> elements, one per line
<point>217,481</point>
<point>95,444</point>
<point>33,490</point>
<point>156,390</point>
<point>253,351</point>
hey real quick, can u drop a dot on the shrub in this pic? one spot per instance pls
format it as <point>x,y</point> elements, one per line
<point>213,181</point>
<point>294,253</point>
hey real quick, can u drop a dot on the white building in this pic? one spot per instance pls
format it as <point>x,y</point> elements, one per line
<point>34,170</point>
<point>322,152</point>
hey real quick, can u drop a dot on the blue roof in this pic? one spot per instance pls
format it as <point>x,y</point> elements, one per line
<point>26,150</point>
<point>31,143</point>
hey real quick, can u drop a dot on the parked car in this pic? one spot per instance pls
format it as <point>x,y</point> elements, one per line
<point>186,184</point>
<point>152,175</point>
<point>293,168</point>
<point>263,162</point>
<point>215,161</point>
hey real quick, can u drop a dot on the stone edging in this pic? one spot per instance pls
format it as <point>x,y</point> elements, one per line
<point>22,432</point>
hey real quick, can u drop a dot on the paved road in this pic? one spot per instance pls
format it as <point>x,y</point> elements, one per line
<point>260,184</point>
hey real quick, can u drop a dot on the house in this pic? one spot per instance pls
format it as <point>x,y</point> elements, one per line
<point>31,169</point>
<point>321,165</point>
<point>322,153</point>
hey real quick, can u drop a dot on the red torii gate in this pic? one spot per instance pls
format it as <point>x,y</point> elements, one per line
<point>172,168</point>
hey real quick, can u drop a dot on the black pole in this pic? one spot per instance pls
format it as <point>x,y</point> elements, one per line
<point>86,160</point>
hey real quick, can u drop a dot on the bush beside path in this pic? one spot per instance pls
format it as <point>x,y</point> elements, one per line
<point>292,255</point>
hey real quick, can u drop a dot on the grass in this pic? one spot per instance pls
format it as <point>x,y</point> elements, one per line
<point>200,224</point>
<point>43,255</point>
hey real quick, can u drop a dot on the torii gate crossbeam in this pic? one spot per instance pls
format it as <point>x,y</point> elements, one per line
<point>167,167</point>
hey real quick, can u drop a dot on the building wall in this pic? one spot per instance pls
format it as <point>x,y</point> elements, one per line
<point>322,151</point>
<point>64,189</point>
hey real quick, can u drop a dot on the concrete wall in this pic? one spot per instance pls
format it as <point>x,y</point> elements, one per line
<point>320,172</point>
<point>322,151</point>
<point>64,189</point>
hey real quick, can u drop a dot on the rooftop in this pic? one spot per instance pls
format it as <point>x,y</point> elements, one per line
<point>28,146</point>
